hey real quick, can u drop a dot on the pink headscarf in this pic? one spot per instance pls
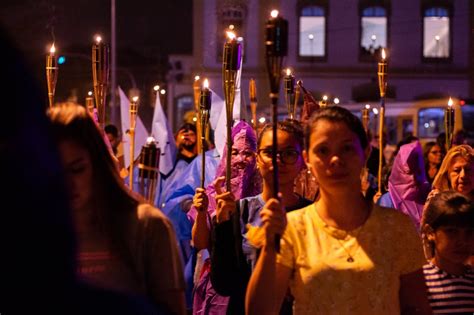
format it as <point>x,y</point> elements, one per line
<point>245,182</point>
<point>407,183</point>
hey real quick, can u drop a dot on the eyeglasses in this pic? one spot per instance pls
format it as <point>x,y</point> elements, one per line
<point>289,156</point>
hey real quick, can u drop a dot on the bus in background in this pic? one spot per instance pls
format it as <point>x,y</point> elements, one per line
<point>423,119</point>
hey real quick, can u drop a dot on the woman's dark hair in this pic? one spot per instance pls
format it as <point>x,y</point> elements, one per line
<point>426,150</point>
<point>337,114</point>
<point>72,122</point>
<point>293,127</point>
<point>449,208</point>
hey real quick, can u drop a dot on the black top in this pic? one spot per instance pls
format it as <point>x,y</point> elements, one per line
<point>230,268</point>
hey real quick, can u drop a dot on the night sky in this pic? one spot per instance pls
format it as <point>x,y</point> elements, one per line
<point>147,31</point>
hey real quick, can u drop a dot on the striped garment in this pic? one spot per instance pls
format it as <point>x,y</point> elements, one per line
<point>449,294</point>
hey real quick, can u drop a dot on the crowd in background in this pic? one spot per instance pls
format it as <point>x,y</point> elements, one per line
<point>331,241</point>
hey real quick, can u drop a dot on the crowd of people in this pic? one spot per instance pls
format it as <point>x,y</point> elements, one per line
<point>246,250</point>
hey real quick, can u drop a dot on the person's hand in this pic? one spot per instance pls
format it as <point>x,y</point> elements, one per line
<point>273,217</point>
<point>377,197</point>
<point>200,200</point>
<point>225,201</point>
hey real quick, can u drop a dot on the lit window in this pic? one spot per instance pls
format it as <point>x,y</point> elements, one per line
<point>436,33</point>
<point>373,30</point>
<point>312,32</point>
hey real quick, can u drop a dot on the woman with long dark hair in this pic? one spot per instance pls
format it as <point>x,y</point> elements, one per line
<point>124,244</point>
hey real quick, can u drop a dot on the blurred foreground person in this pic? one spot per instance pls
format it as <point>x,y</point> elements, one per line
<point>123,243</point>
<point>36,233</point>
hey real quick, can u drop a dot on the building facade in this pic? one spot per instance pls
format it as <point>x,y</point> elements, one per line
<point>334,47</point>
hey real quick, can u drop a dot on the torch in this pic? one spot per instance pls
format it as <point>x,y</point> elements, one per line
<point>51,73</point>
<point>324,101</point>
<point>230,66</point>
<point>204,109</point>
<point>100,76</point>
<point>382,75</point>
<point>148,169</point>
<point>449,123</point>
<point>276,46</point>
<point>289,83</point>
<point>133,120</point>
<point>297,97</point>
<point>197,93</point>
<point>366,117</point>
<point>253,101</point>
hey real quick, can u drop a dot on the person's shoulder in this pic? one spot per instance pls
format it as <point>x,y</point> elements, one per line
<point>389,217</point>
<point>299,213</point>
<point>148,214</point>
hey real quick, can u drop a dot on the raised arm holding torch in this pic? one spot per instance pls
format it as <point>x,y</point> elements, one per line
<point>276,46</point>
<point>51,73</point>
<point>382,75</point>
<point>204,110</point>
<point>230,66</point>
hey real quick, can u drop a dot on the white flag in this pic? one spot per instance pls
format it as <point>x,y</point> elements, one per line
<point>141,133</point>
<point>217,105</point>
<point>161,131</point>
<point>220,131</point>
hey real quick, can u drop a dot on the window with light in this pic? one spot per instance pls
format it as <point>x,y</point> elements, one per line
<point>373,30</point>
<point>312,32</point>
<point>436,33</point>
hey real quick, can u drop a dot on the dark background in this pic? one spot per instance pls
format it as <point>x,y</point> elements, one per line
<point>147,31</point>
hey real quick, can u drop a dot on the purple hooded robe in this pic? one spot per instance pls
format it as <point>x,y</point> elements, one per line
<point>407,183</point>
<point>245,182</point>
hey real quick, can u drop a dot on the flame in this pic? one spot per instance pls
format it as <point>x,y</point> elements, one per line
<point>450,102</point>
<point>89,93</point>
<point>231,35</point>
<point>52,50</point>
<point>98,39</point>
<point>150,140</point>
<point>367,106</point>
<point>383,54</point>
<point>288,71</point>
<point>156,88</point>
<point>274,13</point>
<point>135,99</point>
<point>325,97</point>
<point>336,100</point>
<point>206,84</point>
<point>196,78</point>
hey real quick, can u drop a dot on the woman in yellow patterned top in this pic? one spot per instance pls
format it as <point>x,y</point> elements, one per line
<point>340,255</point>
